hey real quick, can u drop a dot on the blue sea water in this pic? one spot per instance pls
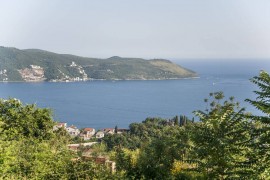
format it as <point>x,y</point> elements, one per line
<point>102,104</point>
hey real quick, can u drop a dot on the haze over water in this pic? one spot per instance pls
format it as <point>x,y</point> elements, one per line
<point>102,104</point>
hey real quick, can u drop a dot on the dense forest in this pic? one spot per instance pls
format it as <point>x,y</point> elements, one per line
<point>224,142</point>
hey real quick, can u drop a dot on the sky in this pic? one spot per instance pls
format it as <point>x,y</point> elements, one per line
<point>208,29</point>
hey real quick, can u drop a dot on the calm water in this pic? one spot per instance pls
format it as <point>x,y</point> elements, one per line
<point>101,104</point>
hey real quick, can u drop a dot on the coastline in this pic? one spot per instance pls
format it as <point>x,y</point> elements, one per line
<point>197,77</point>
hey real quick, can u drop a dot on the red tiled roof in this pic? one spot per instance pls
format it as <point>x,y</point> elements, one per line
<point>88,129</point>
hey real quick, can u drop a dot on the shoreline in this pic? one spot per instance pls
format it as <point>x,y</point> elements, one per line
<point>101,80</point>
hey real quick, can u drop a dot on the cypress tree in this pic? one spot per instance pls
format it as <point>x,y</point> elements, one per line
<point>116,129</point>
<point>176,121</point>
<point>181,120</point>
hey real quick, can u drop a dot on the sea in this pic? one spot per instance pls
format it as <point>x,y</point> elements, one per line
<point>105,104</point>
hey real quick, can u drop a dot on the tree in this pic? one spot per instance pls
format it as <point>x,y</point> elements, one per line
<point>176,121</point>
<point>81,169</point>
<point>30,149</point>
<point>24,121</point>
<point>261,127</point>
<point>262,101</point>
<point>157,157</point>
<point>116,129</point>
<point>221,141</point>
<point>127,162</point>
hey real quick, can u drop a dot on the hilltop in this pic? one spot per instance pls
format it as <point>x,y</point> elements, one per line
<point>40,65</point>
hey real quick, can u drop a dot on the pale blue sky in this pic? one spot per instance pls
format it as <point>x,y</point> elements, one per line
<point>139,28</point>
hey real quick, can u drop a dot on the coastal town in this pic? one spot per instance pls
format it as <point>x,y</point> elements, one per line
<point>89,137</point>
<point>88,133</point>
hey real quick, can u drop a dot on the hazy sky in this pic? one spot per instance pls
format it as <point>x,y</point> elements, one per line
<point>139,28</point>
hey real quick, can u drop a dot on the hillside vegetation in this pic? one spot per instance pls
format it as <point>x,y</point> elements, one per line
<point>39,65</point>
<point>225,142</point>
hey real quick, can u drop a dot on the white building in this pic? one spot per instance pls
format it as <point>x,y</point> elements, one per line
<point>87,133</point>
<point>73,131</point>
<point>60,125</point>
<point>100,134</point>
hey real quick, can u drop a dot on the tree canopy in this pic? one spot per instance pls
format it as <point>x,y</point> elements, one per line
<point>30,149</point>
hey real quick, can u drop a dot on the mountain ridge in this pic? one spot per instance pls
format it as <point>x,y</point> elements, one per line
<point>40,65</point>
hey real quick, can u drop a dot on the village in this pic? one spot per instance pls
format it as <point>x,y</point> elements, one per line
<point>88,133</point>
<point>89,137</point>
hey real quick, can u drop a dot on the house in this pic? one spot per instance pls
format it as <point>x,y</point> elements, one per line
<point>100,134</point>
<point>109,130</point>
<point>87,133</point>
<point>73,131</point>
<point>60,125</point>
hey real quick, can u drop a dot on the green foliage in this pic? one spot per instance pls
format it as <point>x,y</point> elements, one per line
<point>52,72</point>
<point>30,149</point>
<point>81,169</point>
<point>127,162</point>
<point>99,149</point>
<point>262,101</point>
<point>176,121</point>
<point>139,133</point>
<point>31,159</point>
<point>222,145</point>
<point>121,140</point>
<point>24,121</point>
<point>116,129</point>
<point>159,144</point>
<point>157,157</point>
<point>261,129</point>
<point>221,140</point>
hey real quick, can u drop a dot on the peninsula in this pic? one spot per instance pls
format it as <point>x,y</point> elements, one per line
<point>34,65</point>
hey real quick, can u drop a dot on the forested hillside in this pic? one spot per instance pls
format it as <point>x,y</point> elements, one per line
<point>39,65</point>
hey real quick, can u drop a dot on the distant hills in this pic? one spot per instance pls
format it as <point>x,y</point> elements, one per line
<point>40,65</point>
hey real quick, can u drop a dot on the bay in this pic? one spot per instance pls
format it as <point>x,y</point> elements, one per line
<point>103,104</point>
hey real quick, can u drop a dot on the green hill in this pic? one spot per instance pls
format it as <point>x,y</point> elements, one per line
<point>39,65</point>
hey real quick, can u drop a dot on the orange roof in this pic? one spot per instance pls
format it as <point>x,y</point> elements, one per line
<point>88,129</point>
